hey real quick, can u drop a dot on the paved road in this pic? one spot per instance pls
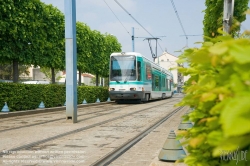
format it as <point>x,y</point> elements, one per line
<point>52,141</point>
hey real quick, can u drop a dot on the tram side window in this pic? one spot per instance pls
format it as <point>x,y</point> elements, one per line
<point>160,84</point>
<point>153,82</point>
<point>148,71</point>
<point>170,84</point>
<point>156,82</point>
<point>163,83</point>
<point>167,84</point>
<point>139,71</point>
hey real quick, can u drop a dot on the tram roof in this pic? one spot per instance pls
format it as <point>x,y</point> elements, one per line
<point>139,55</point>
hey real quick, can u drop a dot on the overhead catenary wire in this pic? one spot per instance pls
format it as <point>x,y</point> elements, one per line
<point>160,47</point>
<point>137,22</point>
<point>117,18</point>
<point>180,21</point>
<point>133,18</point>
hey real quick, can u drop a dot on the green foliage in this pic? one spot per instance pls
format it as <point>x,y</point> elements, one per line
<point>91,93</point>
<point>32,33</point>
<point>111,45</point>
<point>28,96</point>
<point>219,92</point>
<point>94,49</point>
<point>83,33</point>
<point>22,33</point>
<point>213,18</point>
<point>54,33</point>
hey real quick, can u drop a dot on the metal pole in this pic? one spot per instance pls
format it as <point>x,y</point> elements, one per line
<point>228,15</point>
<point>133,40</point>
<point>156,52</point>
<point>71,69</point>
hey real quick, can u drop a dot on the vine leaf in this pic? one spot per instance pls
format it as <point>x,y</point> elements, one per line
<point>235,116</point>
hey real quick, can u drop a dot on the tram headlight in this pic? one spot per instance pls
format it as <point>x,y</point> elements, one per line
<point>132,88</point>
<point>111,89</point>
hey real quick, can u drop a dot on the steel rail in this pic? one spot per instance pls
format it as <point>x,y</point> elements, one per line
<point>58,119</point>
<point>49,110</point>
<point>107,159</point>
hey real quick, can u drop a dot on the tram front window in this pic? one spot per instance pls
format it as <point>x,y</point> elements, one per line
<point>123,68</point>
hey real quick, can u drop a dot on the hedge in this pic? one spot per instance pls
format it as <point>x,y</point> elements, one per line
<point>29,96</point>
<point>219,92</point>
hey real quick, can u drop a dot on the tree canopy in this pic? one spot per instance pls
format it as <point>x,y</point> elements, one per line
<point>32,32</point>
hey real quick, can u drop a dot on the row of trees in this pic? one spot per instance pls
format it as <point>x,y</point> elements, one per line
<point>32,32</point>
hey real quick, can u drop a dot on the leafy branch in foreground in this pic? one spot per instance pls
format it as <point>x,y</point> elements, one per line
<point>219,92</point>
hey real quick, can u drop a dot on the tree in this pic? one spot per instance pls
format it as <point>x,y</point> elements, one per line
<point>97,54</point>
<point>83,33</point>
<point>213,17</point>
<point>31,33</point>
<point>111,45</point>
<point>53,56</point>
<point>22,34</point>
<point>93,51</point>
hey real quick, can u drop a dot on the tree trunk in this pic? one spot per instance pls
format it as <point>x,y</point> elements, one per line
<point>80,78</point>
<point>96,81</point>
<point>15,71</point>
<point>53,78</point>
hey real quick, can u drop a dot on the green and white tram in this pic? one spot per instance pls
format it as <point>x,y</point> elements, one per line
<point>134,77</point>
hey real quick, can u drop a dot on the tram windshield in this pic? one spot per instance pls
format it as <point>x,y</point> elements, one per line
<point>123,68</point>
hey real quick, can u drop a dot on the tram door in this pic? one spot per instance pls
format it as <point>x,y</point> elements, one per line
<point>138,71</point>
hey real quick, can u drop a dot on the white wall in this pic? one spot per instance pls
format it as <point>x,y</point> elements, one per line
<point>167,61</point>
<point>84,79</point>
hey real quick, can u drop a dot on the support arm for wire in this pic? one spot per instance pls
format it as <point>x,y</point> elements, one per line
<point>149,42</point>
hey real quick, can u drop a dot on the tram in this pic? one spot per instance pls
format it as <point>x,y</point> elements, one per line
<point>134,77</point>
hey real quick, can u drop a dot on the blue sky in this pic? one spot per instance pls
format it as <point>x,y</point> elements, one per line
<point>158,17</point>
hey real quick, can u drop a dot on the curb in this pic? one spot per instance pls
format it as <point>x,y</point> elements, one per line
<point>46,110</point>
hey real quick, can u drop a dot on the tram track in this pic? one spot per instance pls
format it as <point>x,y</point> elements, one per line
<point>58,119</point>
<point>36,143</point>
<point>49,112</point>
<point>113,155</point>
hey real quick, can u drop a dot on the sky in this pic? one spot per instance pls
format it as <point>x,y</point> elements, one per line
<point>157,17</point>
